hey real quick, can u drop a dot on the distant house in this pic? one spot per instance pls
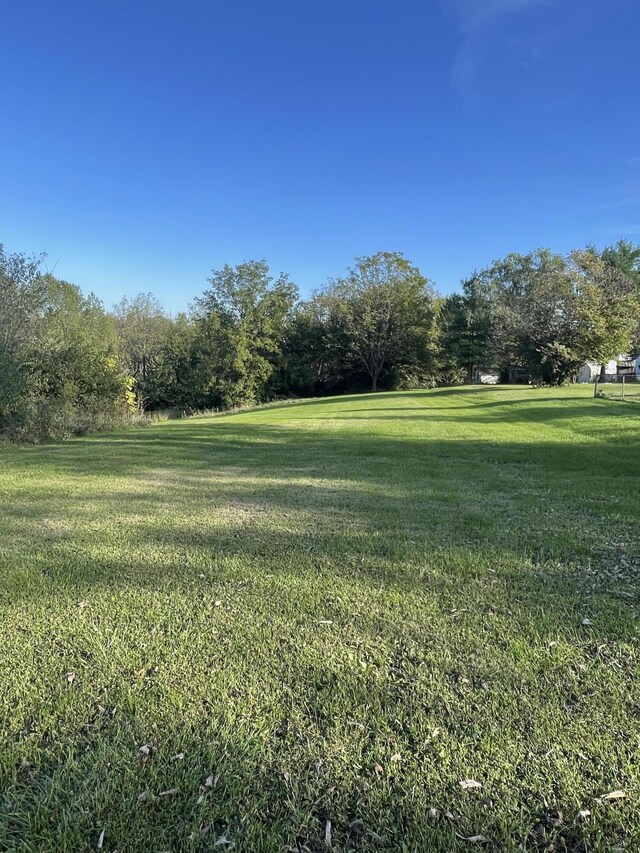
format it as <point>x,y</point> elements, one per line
<point>628,366</point>
<point>623,365</point>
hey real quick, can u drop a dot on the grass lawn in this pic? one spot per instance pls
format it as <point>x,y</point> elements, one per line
<point>305,626</point>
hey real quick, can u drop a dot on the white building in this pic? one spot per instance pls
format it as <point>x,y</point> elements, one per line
<point>623,365</point>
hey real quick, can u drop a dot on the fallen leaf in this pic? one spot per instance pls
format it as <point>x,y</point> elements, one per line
<point>81,604</point>
<point>178,756</point>
<point>71,677</point>
<point>101,840</point>
<point>583,813</point>
<point>168,793</point>
<point>477,839</point>
<point>433,812</point>
<point>613,795</point>
<point>467,784</point>
<point>378,769</point>
<point>327,833</point>
<point>209,782</point>
<point>217,603</point>
<point>145,749</point>
<point>586,621</point>
<point>221,841</point>
<point>396,758</point>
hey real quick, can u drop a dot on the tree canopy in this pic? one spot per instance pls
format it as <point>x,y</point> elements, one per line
<point>381,315</point>
<point>67,364</point>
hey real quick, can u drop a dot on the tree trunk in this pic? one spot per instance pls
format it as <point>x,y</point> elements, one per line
<point>374,382</point>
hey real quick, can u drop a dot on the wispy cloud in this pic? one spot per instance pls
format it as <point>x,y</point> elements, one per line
<point>472,14</point>
<point>476,20</point>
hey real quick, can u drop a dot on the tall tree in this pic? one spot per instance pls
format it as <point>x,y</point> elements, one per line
<point>607,307</point>
<point>142,328</point>
<point>552,313</point>
<point>79,366</point>
<point>625,257</point>
<point>173,381</point>
<point>307,365</point>
<point>533,330</point>
<point>466,325</point>
<point>382,315</point>
<point>23,295</point>
<point>58,365</point>
<point>241,320</point>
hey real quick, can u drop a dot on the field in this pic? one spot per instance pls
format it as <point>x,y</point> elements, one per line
<point>305,626</point>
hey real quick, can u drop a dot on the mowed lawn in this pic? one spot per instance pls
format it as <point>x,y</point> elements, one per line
<point>303,627</point>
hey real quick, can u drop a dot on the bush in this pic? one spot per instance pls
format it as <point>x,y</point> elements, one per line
<point>40,418</point>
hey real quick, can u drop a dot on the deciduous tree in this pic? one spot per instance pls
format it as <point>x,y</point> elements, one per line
<point>381,315</point>
<point>241,320</point>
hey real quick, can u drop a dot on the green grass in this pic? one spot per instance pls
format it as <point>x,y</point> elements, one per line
<point>333,611</point>
<point>629,391</point>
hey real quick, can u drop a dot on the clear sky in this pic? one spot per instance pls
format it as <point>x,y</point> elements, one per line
<point>145,142</point>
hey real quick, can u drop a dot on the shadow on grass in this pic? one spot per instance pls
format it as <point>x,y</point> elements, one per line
<point>503,545</point>
<point>559,517</point>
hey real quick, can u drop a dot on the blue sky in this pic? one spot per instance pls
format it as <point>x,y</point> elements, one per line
<point>144,143</point>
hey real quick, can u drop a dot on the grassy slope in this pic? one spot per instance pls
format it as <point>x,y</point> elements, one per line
<point>337,610</point>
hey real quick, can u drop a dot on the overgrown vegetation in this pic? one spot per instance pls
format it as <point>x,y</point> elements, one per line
<point>59,369</point>
<point>376,623</point>
<point>67,365</point>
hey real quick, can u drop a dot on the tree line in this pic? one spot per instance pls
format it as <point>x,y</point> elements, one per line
<point>69,365</point>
